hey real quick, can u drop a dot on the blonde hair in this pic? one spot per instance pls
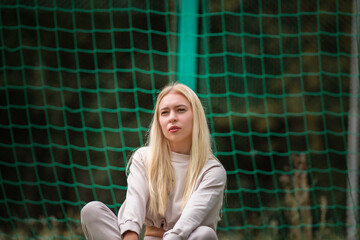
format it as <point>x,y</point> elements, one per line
<point>160,173</point>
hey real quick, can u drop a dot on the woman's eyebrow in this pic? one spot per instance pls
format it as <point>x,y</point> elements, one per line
<point>180,105</point>
<point>176,106</point>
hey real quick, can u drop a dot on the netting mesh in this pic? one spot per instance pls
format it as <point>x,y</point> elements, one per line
<point>78,81</point>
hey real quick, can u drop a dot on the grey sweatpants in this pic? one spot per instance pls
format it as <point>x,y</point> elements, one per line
<point>99,222</point>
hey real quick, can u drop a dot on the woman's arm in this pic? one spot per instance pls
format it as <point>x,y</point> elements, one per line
<point>131,215</point>
<point>130,235</point>
<point>204,204</point>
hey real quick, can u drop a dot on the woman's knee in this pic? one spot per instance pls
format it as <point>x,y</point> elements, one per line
<point>91,211</point>
<point>203,232</point>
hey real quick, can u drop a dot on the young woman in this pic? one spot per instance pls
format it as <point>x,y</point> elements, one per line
<point>175,183</point>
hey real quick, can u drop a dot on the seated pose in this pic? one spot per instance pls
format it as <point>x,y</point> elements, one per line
<point>175,183</point>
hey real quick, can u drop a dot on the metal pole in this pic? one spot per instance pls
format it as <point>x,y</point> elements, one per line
<point>353,130</point>
<point>187,59</point>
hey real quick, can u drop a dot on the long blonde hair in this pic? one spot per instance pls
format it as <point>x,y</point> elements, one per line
<point>160,173</point>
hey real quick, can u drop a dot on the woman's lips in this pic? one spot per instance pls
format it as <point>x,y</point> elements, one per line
<point>174,129</point>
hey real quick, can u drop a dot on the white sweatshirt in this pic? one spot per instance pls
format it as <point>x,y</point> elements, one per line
<point>202,208</point>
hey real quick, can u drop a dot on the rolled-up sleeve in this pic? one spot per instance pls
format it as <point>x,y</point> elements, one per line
<point>131,215</point>
<point>203,206</point>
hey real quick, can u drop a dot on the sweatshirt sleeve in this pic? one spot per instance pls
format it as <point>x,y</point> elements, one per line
<point>203,206</point>
<point>132,212</point>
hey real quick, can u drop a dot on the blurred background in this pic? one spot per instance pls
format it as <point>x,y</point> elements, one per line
<point>278,81</point>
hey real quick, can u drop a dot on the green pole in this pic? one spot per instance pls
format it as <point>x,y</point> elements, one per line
<point>187,51</point>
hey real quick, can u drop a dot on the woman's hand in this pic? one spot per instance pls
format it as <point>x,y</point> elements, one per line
<point>130,235</point>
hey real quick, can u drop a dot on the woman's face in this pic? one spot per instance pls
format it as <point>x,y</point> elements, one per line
<point>176,121</point>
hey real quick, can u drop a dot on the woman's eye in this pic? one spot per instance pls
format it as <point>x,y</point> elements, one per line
<point>163,113</point>
<point>181,110</point>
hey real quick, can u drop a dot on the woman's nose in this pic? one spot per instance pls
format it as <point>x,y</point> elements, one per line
<point>172,117</point>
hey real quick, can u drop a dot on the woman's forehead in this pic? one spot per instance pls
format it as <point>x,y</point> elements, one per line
<point>173,99</point>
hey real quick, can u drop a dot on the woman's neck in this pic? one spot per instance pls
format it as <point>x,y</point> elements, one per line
<point>181,148</point>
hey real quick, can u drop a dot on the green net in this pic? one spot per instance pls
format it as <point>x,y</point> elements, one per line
<point>78,81</point>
